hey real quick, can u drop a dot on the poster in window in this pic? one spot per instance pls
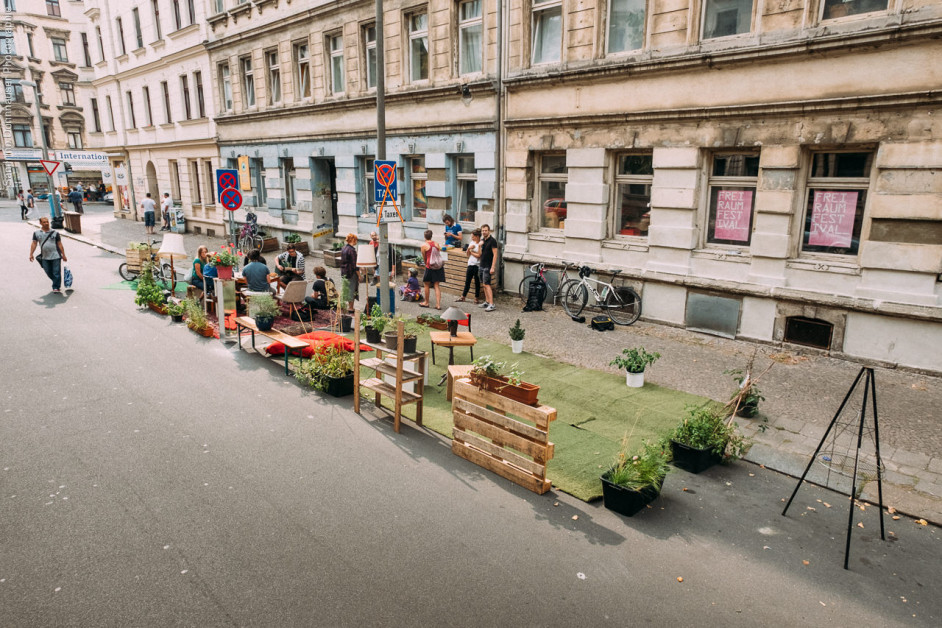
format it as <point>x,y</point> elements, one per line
<point>832,219</point>
<point>733,214</point>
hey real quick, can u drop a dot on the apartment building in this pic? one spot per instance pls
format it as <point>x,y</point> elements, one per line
<point>760,170</point>
<point>152,110</point>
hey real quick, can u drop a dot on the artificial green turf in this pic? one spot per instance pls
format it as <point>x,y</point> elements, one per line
<point>132,285</point>
<point>595,410</point>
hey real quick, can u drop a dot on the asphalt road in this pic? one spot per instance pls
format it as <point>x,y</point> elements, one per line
<point>150,477</point>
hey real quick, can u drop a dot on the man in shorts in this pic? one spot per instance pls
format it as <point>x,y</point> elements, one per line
<point>150,215</point>
<point>488,266</point>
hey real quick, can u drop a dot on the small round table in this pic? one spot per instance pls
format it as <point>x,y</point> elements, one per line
<point>445,339</point>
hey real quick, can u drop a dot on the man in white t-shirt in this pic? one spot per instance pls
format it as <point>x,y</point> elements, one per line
<point>150,208</point>
<point>165,206</point>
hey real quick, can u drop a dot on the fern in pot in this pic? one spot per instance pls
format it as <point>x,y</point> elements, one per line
<point>634,361</point>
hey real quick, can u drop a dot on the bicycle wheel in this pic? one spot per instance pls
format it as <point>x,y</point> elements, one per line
<point>623,304</point>
<point>166,273</point>
<point>575,298</point>
<point>245,245</point>
<point>126,273</point>
<point>524,289</point>
<point>563,288</point>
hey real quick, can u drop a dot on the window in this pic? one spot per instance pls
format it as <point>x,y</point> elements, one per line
<point>177,19</point>
<point>191,11</point>
<point>52,8</point>
<point>302,64</point>
<point>47,133</point>
<point>335,46</point>
<point>466,176</point>
<point>220,5</point>
<point>110,113</point>
<point>196,194</point>
<point>9,6</point>
<point>59,51</point>
<point>837,193</point>
<point>257,174</point>
<point>418,47</point>
<point>547,31</point>
<point>138,34</point>
<point>552,191</point>
<point>74,139</point>
<point>248,82</point>
<point>418,178</point>
<point>175,181</point>
<point>288,176</point>
<point>368,179</point>
<point>132,122</point>
<point>96,116</point>
<point>625,25</point>
<point>274,77</point>
<point>732,190</point>
<point>101,43</point>
<point>29,44</point>
<point>726,17</point>
<point>634,175</point>
<point>87,55</point>
<point>470,30</point>
<point>840,8</point>
<point>22,136</point>
<point>13,91</point>
<point>148,113</point>
<point>200,102</point>
<point>121,46</point>
<point>226,85</point>
<point>208,178</point>
<point>369,44</point>
<point>165,89</point>
<point>155,7</point>
<point>185,97</point>
<point>68,93</point>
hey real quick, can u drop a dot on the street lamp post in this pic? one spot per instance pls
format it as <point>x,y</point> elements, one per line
<point>53,199</point>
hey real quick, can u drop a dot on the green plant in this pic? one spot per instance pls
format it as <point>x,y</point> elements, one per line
<point>292,238</point>
<point>195,316</point>
<point>635,359</point>
<point>645,468</point>
<point>225,257</point>
<point>176,308</point>
<point>707,427</point>
<point>264,306</point>
<point>147,289</point>
<point>138,246</point>
<point>377,320</point>
<point>517,332</point>
<point>336,246</point>
<point>486,366</point>
<point>332,363</point>
<point>345,292</point>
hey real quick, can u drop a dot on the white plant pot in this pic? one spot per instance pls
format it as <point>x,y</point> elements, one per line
<point>516,346</point>
<point>635,380</point>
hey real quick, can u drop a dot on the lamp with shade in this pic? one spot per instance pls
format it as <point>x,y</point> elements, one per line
<point>366,256</point>
<point>173,248</point>
<point>453,315</point>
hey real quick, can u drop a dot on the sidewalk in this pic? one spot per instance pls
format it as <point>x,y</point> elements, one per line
<point>802,391</point>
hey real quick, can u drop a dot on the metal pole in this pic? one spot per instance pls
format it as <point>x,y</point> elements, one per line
<point>53,200</point>
<point>383,252</point>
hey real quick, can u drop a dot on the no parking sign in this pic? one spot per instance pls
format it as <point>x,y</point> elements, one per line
<point>227,188</point>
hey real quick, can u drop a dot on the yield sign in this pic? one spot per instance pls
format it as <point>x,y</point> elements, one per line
<point>49,166</point>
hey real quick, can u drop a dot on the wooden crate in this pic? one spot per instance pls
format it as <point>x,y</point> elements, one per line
<point>455,268</point>
<point>136,257</point>
<point>487,434</point>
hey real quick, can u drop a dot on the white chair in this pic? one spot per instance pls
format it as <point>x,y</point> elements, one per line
<point>294,296</point>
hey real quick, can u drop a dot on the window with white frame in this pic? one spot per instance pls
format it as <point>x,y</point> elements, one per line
<point>837,194</point>
<point>177,17</point>
<point>225,83</point>
<point>289,176</point>
<point>200,101</point>
<point>155,9</point>
<point>418,46</point>
<point>191,10</point>
<point>466,177</point>
<point>257,174</point>
<point>248,82</point>
<point>52,8</point>
<point>732,192</point>
<point>132,121</point>
<point>22,136</point>
<point>547,31</point>
<point>831,9</point>
<point>68,93</point>
<point>470,37</point>
<point>369,52</point>
<point>110,109</point>
<point>8,45</point>
<point>208,182</point>
<point>74,139</point>
<point>96,116</point>
<point>148,112</point>
<point>625,25</point>
<point>551,185</point>
<point>101,43</point>
<point>59,50</point>
<point>185,96</point>
<point>634,176</point>
<point>175,181</point>
<point>86,53</point>
<point>335,47</point>
<point>302,73</point>
<point>121,45</point>
<point>418,179</point>
<point>196,194</point>
<point>138,34</point>
<point>13,91</point>
<point>274,76</point>
<point>168,112</point>
<point>722,18</point>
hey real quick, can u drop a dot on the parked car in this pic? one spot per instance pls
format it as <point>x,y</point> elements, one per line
<point>556,206</point>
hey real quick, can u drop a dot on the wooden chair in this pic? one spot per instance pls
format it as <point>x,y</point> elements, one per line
<point>294,296</point>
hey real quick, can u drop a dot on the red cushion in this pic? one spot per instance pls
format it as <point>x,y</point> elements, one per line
<point>317,341</point>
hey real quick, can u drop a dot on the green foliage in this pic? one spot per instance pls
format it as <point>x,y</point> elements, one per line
<point>147,289</point>
<point>646,468</point>
<point>707,428</point>
<point>345,292</point>
<point>329,363</point>
<point>747,392</point>
<point>176,308</point>
<point>139,246</point>
<point>377,320</point>
<point>488,366</point>
<point>264,305</point>
<point>336,246</point>
<point>292,237</point>
<point>195,316</point>
<point>517,332</point>
<point>635,360</point>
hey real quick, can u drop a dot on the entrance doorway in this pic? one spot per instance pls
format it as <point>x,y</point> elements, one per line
<point>151,175</point>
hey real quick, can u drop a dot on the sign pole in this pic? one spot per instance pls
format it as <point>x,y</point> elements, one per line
<point>384,303</point>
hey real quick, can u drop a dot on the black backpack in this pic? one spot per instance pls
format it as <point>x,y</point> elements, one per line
<point>536,295</point>
<point>602,323</point>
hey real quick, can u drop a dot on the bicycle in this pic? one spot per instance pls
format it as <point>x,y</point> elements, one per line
<point>161,271</point>
<point>620,302</point>
<point>539,270</point>
<point>249,237</point>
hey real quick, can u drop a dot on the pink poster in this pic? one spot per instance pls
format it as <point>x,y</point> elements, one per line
<point>733,212</point>
<point>832,219</point>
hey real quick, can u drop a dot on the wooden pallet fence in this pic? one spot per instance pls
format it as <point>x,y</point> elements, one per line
<point>486,434</point>
<point>455,268</point>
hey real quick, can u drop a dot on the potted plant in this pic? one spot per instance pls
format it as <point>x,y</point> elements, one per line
<point>266,309</point>
<point>745,400</point>
<point>224,260</point>
<point>375,324</point>
<point>634,361</point>
<point>148,292</point>
<point>516,337</point>
<point>330,371</point>
<point>176,308</point>
<point>196,318</point>
<point>635,481</point>
<point>332,257</point>
<point>704,438</point>
<point>433,321</point>
<point>494,376</point>
<point>294,238</point>
<point>411,330</point>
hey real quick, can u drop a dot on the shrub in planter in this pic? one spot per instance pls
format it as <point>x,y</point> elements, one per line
<point>516,337</point>
<point>494,376</point>
<point>634,361</point>
<point>266,309</point>
<point>375,324</point>
<point>634,481</point>
<point>176,309</point>
<point>330,371</point>
<point>705,437</point>
<point>148,292</point>
<point>745,401</point>
<point>196,318</point>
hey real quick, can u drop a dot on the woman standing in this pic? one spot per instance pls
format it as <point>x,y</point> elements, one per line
<point>433,276</point>
<point>474,264</point>
<point>199,267</point>
<point>348,269</point>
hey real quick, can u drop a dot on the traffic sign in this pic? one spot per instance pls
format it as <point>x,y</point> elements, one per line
<point>226,178</point>
<point>386,188</point>
<point>389,214</point>
<point>231,199</point>
<point>49,166</point>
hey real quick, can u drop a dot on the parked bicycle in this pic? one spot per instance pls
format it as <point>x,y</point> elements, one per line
<point>620,302</point>
<point>162,270</point>
<point>250,238</point>
<point>540,270</point>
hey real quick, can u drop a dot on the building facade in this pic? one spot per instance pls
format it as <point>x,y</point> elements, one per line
<point>152,110</point>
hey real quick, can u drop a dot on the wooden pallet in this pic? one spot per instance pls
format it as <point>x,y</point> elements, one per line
<point>455,268</point>
<point>136,257</point>
<point>488,437</point>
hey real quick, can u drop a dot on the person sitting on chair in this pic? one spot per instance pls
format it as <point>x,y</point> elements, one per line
<point>256,273</point>
<point>318,299</point>
<point>200,269</point>
<point>290,266</point>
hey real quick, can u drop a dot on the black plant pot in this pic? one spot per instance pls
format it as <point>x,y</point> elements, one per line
<point>627,501</point>
<point>346,323</point>
<point>373,336</point>
<point>748,409</point>
<point>340,386</point>
<point>692,459</point>
<point>176,318</point>
<point>264,323</point>
<point>409,344</point>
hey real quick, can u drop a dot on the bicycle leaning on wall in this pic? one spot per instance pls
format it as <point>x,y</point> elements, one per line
<point>620,302</point>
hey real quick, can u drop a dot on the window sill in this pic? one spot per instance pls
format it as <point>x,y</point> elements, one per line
<point>828,264</point>
<point>156,45</point>
<point>101,64</point>
<point>723,255</point>
<point>212,20</point>
<point>192,121</point>
<point>627,243</point>
<point>548,235</point>
<point>190,29</point>
<point>239,9</point>
<point>137,52</point>
<point>34,59</point>
<point>63,64</point>
<point>122,58</point>
<point>167,125</point>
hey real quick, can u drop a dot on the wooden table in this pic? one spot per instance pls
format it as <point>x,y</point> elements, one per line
<point>445,339</point>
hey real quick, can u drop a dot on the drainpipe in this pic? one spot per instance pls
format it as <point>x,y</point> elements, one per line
<point>499,157</point>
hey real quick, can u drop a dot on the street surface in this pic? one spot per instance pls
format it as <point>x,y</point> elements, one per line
<point>151,477</point>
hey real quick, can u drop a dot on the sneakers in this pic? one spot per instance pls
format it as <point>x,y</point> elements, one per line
<point>56,291</point>
<point>484,304</point>
<point>490,307</point>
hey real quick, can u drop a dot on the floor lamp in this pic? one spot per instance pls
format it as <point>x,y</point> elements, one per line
<point>172,247</point>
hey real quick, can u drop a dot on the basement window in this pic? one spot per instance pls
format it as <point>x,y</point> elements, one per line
<point>810,332</point>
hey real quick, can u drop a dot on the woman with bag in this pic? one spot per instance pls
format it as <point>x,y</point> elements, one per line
<point>51,254</point>
<point>348,269</point>
<point>434,270</point>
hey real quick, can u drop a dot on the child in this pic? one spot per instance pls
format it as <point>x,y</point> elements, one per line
<point>411,291</point>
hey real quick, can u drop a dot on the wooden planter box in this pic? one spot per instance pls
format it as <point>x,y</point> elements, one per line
<point>433,324</point>
<point>136,257</point>
<point>269,244</point>
<point>160,309</point>
<point>332,259</point>
<point>302,247</point>
<point>523,393</point>
<point>206,332</point>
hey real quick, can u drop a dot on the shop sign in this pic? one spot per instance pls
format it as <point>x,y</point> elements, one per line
<point>733,213</point>
<point>20,154</point>
<point>245,180</point>
<point>832,219</point>
<point>82,159</point>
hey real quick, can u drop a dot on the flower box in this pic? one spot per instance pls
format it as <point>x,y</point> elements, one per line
<point>523,392</point>
<point>160,309</point>
<point>269,244</point>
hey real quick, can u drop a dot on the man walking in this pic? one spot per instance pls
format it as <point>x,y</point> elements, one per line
<point>23,208</point>
<point>30,201</point>
<point>488,266</point>
<point>75,197</point>
<point>150,220</point>
<point>51,253</point>
<point>165,206</point>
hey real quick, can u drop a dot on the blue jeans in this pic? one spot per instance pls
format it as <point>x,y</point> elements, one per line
<point>53,268</point>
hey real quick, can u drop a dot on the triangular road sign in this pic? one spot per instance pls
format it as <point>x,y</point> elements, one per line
<point>49,166</point>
